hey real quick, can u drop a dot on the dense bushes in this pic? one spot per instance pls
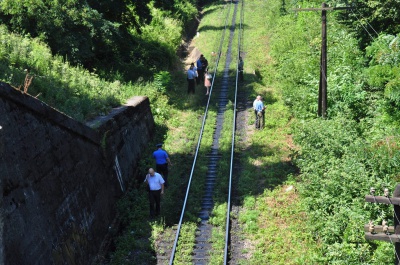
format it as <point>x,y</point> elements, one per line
<point>383,74</point>
<point>134,38</point>
<point>85,55</point>
<point>71,89</point>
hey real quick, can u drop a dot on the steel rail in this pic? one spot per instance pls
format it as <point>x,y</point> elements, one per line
<point>171,261</point>
<point>227,228</point>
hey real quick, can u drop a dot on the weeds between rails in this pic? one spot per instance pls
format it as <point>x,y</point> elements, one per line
<point>202,247</point>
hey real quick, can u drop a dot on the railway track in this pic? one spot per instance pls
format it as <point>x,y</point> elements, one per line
<point>223,86</point>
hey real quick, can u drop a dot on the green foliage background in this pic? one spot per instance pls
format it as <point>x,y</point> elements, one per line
<point>89,56</point>
<point>133,38</point>
<point>356,146</point>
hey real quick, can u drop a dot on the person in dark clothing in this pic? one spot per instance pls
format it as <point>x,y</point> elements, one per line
<point>200,70</point>
<point>156,189</point>
<point>240,69</point>
<point>204,63</point>
<point>162,162</point>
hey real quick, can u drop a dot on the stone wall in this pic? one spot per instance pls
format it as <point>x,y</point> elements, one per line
<point>60,179</point>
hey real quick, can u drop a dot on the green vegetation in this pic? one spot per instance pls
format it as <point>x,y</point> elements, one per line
<point>338,158</point>
<point>133,38</point>
<point>87,57</point>
<point>302,180</point>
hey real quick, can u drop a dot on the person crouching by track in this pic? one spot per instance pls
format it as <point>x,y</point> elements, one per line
<point>156,189</point>
<point>259,111</point>
<point>207,81</point>
<point>162,162</point>
<point>191,75</point>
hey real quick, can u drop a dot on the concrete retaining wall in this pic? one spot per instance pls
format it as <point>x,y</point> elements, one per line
<point>60,179</point>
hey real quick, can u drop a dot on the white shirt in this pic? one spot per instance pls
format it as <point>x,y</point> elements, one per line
<point>155,181</point>
<point>254,104</point>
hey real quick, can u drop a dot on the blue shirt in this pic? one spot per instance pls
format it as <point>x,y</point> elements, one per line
<point>191,74</point>
<point>259,105</point>
<point>199,64</point>
<point>160,156</point>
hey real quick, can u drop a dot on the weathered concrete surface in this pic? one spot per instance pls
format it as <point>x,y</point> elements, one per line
<point>124,133</point>
<point>59,179</point>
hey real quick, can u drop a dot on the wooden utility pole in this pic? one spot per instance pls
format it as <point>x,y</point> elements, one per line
<point>384,232</point>
<point>322,95</point>
<point>323,84</point>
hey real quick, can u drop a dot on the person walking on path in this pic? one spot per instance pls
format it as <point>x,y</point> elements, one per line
<point>162,162</point>
<point>207,81</point>
<point>191,75</point>
<point>259,109</point>
<point>156,189</point>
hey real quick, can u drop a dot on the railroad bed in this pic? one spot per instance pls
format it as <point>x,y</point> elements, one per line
<point>224,89</point>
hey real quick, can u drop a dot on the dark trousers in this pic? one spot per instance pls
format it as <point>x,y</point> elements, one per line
<point>163,170</point>
<point>154,198</point>
<point>241,75</point>
<point>191,86</point>
<point>260,120</point>
<point>200,77</point>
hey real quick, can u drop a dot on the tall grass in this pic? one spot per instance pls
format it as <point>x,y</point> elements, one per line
<point>73,90</point>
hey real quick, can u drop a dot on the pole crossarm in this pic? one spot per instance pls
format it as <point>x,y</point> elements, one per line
<point>384,232</point>
<point>382,199</point>
<point>322,9</point>
<point>383,237</point>
<point>377,229</point>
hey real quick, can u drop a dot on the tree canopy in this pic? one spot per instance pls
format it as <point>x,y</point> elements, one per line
<point>118,35</point>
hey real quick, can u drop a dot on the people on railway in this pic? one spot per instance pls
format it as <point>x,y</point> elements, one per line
<point>207,81</point>
<point>240,69</point>
<point>259,110</point>
<point>155,183</point>
<point>162,162</point>
<point>191,75</point>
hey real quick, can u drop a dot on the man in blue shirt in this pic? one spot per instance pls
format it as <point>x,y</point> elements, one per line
<point>259,110</point>
<point>162,162</point>
<point>156,189</point>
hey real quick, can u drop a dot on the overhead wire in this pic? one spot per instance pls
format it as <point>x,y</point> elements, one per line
<point>365,29</point>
